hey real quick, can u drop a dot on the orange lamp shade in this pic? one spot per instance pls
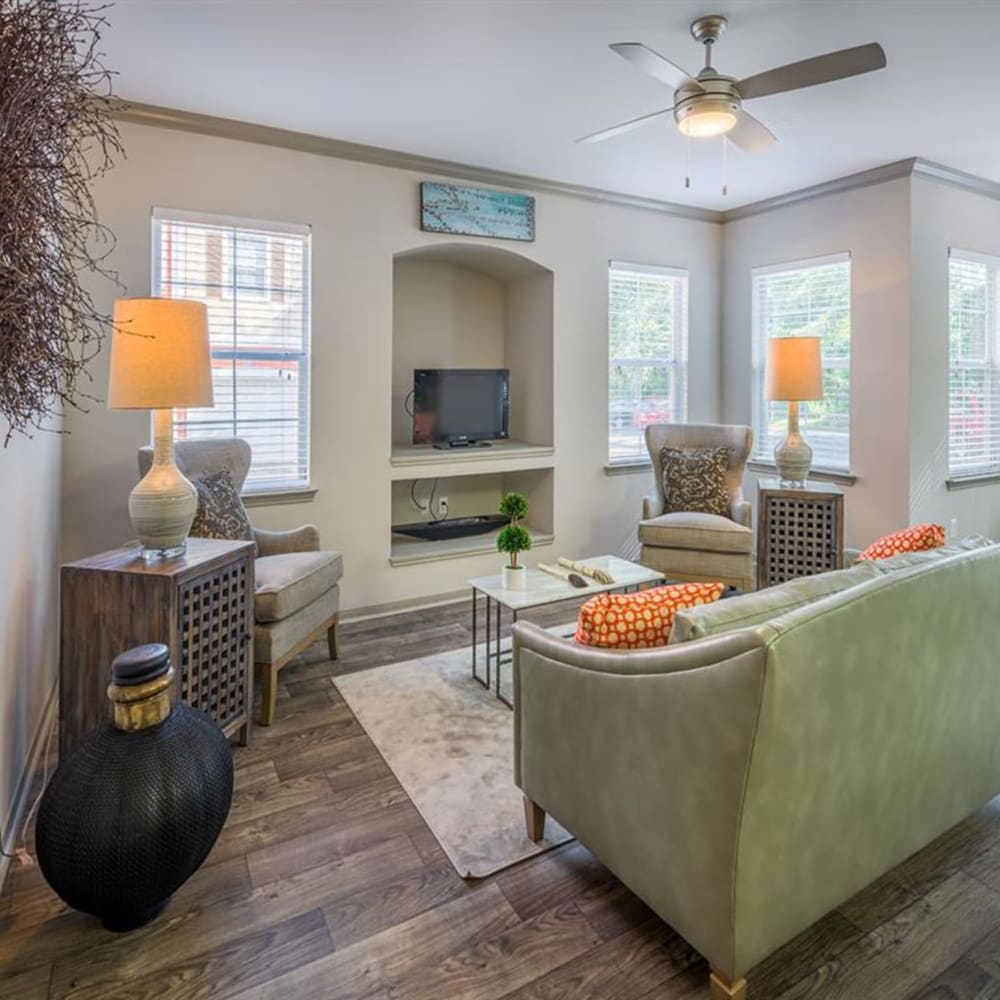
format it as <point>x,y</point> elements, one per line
<point>794,369</point>
<point>160,355</point>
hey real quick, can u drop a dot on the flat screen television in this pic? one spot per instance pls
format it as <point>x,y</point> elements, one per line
<point>460,406</point>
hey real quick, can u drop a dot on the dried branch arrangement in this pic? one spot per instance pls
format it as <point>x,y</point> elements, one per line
<point>56,136</point>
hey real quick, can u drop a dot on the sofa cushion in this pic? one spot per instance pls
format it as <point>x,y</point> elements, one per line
<point>916,538</point>
<point>907,559</point>
<point>639,620</point>
<point>694,479</point>
<point>763,605</point>
<point>285,583</point>
<point>701,532</point>
<point>220,513</point>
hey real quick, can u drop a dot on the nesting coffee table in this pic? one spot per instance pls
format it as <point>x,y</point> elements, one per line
<point>540,589</point>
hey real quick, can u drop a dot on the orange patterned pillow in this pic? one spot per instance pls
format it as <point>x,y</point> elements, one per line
<point>915,539</point>
<point>642,619</point>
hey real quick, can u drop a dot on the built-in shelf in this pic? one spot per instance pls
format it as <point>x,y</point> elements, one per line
<point>423,461</point>
<point>406,551</point>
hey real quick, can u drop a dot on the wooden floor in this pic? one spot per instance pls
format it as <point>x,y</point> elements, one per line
<point>327,884</point>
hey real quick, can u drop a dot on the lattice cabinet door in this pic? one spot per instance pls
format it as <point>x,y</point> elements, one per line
<point>216,629</point>
<point>800,531</point>
<point>199,604</point>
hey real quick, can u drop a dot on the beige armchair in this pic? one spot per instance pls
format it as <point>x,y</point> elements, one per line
<point>297,591</point>
<point>692,545</point>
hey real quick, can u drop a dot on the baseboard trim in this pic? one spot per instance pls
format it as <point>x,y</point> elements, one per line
<point>22,793</point>
<point>407,604</point>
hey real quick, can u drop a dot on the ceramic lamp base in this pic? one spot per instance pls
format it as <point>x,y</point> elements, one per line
<point>163,504</point>
<point>793,456</point>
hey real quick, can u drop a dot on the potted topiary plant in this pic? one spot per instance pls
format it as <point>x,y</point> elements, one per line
<point>513,538</point>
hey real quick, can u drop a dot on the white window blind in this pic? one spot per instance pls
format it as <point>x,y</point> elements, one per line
<point>806,298</point>
<point>254,278</point>
<point>973,365</point>
<point>647,354</point>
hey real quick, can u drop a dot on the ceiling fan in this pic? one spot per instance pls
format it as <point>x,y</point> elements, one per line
<point>711,104</point>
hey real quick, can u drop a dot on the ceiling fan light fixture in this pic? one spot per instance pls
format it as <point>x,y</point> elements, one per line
<point>707,119</point>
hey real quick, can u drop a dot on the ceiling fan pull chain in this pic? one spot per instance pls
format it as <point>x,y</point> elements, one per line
<point>687,163</point>
<point>725,165</point>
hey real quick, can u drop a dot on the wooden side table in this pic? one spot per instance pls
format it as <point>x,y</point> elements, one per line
<point>800,530</point>
<point>199,604</point>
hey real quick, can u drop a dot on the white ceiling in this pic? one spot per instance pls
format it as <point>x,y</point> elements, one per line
<point>509,84</point>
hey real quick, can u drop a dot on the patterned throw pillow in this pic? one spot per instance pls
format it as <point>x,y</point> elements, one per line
<point>694,479</point>
<point>221,513</point>
<point>915,539</point>
<point>640,620</point>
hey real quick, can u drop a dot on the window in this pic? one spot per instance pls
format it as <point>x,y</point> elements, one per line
<point>647,355</point>
<point>973,365</point>
<point>806,298</point>
<point>254,278</point>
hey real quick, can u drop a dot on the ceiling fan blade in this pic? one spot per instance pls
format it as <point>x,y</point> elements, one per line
<point>608,133</point>
<point>644,58</point>
<point>749,134</point>
<point>809,72</point>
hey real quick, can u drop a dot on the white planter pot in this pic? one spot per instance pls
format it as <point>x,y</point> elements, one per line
<point>513,579</point>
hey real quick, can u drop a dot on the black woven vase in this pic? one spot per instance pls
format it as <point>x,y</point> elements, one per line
<point>137,805</point>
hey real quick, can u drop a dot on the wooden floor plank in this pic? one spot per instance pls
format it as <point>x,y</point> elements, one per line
<point>193,930</point>
<point>233,966</point>
<point>644,958</point>
<point>494,965</point>
<point>366,969</point>
<point>962,981</point>
<point>911,949</point>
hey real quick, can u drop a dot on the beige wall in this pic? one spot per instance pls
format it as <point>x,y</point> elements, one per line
<point>943,217</point>
<point>361,216</point>
<point>29,550</point>
<point>872,223</point>
<point>443,317</point>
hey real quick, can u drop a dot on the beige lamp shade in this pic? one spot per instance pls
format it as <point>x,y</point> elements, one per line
<point>159,355</point>
<point>794,369</point>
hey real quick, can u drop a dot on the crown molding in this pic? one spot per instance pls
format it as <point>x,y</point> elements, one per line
<point>318,145</point>
<point>928,170</point>
<point>304,142</point>
<point>865,178</point>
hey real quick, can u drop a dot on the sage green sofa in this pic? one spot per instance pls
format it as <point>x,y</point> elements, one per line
<point>746,783</point>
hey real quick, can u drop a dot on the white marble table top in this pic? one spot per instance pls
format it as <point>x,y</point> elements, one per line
<point>543,588</point>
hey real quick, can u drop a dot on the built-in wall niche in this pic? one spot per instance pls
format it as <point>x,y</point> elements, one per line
<point>461,305</point>
<point>419,500</point>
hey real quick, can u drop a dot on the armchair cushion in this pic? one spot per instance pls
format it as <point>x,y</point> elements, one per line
<point>700,532</point>
<point>289,582</point>
<point>221,513</point>
<point>694,479</point>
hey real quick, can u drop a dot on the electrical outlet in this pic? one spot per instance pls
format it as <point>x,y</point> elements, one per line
<point>442,508</point>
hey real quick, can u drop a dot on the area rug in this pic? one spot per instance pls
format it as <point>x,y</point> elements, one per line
<point>451,745</point>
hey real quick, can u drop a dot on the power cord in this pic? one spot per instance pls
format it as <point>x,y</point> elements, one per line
<point>406,400</point>
<point>22,853</point>
<point>428,508</point>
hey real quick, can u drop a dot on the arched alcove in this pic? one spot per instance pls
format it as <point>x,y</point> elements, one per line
<point>466,305</point>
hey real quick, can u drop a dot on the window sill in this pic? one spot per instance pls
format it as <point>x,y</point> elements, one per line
<point>273,498</point>
<point>822,475</point>
<point>968,482</point>
<point>627,468</point>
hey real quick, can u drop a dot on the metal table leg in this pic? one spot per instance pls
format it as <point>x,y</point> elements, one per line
<point>475,642</point>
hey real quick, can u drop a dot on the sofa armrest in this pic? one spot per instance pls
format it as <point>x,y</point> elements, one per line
<point>651,507</point>
<point>276,543</point>
<point>644,756</point>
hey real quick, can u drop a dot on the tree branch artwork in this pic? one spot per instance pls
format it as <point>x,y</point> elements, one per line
<point>57,135</point>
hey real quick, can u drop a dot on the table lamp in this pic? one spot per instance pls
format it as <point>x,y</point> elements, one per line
<point>793,374</point>
<point>160,359</point>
